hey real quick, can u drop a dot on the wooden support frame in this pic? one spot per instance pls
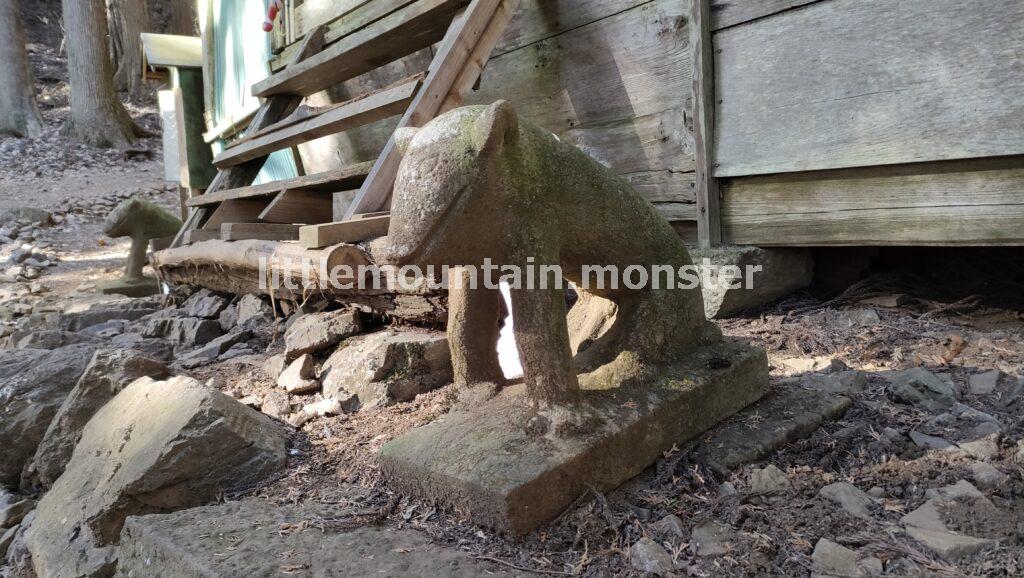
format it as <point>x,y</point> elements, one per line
<point>305,207</point>
<point>459,61</point>
<point>709,214</point>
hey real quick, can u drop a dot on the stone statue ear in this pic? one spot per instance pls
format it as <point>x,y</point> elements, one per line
<point>497,127</point>
<point>403,137</point>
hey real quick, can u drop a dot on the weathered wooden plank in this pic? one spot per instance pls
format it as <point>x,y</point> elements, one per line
<point>303,207</point>
<point>200,235</point>
<point>725,13</point>
<point>235,211</point>
<point>265,231</point>
<point>329,181</point>
<point>975,202</point>
<point>932,81</point>
<point>445,79</point>
<point>537,20</point>
<point>709,224</point>
<point>417,26</point>
<point>372,107</point>
<point>314,236</point>
<point>664,186</point>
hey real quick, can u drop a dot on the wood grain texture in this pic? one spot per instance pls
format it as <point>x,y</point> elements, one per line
<point>296,206</point>
<point>973,202</point>
<point>811,89</point>
<point>709,224</point>
<point>374,106</point>
<point>315,236</point>
<point>329,181</point>
<point>725,13</point>
<point>235,211</point>
<point>415,27</point>
<point>266,231</point>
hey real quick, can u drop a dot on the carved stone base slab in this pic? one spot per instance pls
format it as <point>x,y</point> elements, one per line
<point>487,463</point>
<point>132,287</point>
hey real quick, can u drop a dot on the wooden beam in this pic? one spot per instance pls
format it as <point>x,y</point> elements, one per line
<point>416,27</point>
<point>303,207</point>
<point>271,111</point>
<point>200,235</point>
<point>361,111</point>
<point>454,71</point>
<point>265,231</point>
<point>235,211</point>
<point>328,181</point>
<point>726,13</point>
<point>314,236</point>
<point>709,224</point>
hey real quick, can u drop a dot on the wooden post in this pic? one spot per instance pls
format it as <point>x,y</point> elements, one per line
<point>709,222</point>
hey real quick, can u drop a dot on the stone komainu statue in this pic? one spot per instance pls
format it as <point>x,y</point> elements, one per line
<point>480,182</point>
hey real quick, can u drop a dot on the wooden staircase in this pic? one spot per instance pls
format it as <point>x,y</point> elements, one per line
<point>373,34</point>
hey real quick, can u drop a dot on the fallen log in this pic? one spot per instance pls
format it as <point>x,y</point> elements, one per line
<point>287,271</point>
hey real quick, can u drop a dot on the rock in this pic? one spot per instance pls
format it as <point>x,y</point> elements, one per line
<point>128,464</point>
<point>987,476</point>
<point>299,419</point>
<point>13,514</point>
<point>300,376</point>
<point>831,559</point>
<point>876,492</point>
<point>6,538</point>
<point>324,407</point>
<point>786,416</point>
<point>314,332</point>
<point>214,349</point>
<point>108,372</point>
<point>947,544</point>
<point>27,214</point>
<point>387,367</point>
<point>918,386</point>
<point>928,442</point>
<point>727,489</point>
<point>985,448</point>
<point>671,525</point>
<point>274,366</point>
<point>52,339</point>
<point>203,542</point>
<point>769,480</point>
<point>781,271</point>
<point>253,401</point>
<point>158,349</point>
<point>985,383</point>
<point>252,309</point>
<point>34,385</point>
<point>646,555</point>
<point>844,382</point>
<point>228,318</point>
<point>276,404</point>
<point>190,331</point>
<point>852,500</point>
<point>129,310</point>
<point>962,490</point>
<point>204,304</point>
<point>712,538</point>
<point>926,525</point>
<point>858,318</point>
<point>106,330</point>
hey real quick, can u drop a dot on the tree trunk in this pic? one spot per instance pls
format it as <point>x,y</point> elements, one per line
<point>19,114</point>
<point>97,116</point>
<point>127,19</point>
<point>183,18</point>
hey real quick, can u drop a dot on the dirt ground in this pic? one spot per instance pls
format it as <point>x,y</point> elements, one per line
<point>955,312</point>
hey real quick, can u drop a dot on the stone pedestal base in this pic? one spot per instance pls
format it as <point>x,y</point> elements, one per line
<point>131,286</point>
<point>486,463</point>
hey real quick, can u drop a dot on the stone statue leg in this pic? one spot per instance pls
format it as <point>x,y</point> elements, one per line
<point>542,338</point>
<point>474,325</point>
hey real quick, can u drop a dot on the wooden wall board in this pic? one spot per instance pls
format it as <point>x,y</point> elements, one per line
<point>726,13</point>
<point>811,89</point>
<point>303,207</point>
<point>709,224</point>
<point>266,231</point>
<point>972,202</point>
<point>235,211</point>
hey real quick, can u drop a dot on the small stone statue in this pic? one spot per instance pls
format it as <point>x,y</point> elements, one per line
<point>142,221</point>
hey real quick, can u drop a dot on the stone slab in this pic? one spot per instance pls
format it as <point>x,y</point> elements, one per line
<point>141,287</point>
<point>782,271</point>
<point>782,417</point>
<point>256,538</point>
<point>487,463</point>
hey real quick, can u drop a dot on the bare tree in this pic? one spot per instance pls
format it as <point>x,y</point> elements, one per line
<point>97,116</point>
<point>127,19</point>
<point>19,114</point>
<point>183,18</point>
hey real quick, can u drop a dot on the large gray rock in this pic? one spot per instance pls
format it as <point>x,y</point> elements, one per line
<point>52,339</point>
<point>831,559</point>
<point>33,385</point>
<point>314,332</point>
<point>781,272</point>
<point>158,446</point>
<point>108,373</point>
<point>649,556</point>
<point>918,386</point>
<point>184,330</point>
<point>851,499</point>
<point>387,367</point>
<point>129,309</point>
<point>205,304</point>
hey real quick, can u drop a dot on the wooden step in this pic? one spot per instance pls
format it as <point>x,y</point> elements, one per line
<point>265,231</point>
<point>305,207</point>
<point>413,28</point>
<point>307,125</point>
<point>330,181</point>
<point>315,236</point>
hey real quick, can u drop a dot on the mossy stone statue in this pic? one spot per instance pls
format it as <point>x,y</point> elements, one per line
<point>142,221</point>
